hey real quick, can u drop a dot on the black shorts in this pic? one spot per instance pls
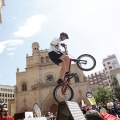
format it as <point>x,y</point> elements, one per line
<point>55,57</point>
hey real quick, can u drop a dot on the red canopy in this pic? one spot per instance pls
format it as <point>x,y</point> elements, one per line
<point>109,117</point>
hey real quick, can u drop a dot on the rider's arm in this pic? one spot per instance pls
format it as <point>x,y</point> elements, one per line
<point>55,42</point>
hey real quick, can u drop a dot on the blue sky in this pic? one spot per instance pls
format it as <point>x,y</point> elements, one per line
<point>93,27</point>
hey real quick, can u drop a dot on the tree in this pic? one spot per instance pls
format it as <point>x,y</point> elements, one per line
<point>103,94</point>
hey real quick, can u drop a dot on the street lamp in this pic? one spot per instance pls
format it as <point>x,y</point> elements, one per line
<point>1,104</point>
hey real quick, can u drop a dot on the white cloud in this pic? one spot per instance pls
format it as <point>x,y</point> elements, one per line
<point>46,1</point>
<point>13,18</point>
<point>11,54</point>
<point>2,47</point>
<point>10,49</point>
<point>31,26</point>
<point>9,43</point>
<point>14,42</point>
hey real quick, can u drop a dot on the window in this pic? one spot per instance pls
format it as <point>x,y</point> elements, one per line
<point>42,59</point>
<point>91,82</point>
<point>24,87</point>
<point>5,94</point>
<point>5,100</point>
<point>47,59</point>
<point>50,78</point>
<point>110,67</point>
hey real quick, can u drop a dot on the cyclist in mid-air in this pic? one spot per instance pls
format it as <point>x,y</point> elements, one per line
<point>58,57</point>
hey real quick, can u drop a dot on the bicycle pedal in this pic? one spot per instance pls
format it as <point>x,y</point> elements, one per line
<point>74,74</point>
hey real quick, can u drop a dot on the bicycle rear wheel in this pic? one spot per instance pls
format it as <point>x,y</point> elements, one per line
<point>86,62</point>
<point>59,97</point>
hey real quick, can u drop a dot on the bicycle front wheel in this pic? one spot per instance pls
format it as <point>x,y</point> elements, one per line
<point>86,62</point>
<point>59,97</point>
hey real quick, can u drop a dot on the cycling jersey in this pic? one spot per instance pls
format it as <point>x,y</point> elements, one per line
<point>54,51</point>
<point>55,45</point>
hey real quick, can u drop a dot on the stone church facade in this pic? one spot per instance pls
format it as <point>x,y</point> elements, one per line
<point>37,82</point>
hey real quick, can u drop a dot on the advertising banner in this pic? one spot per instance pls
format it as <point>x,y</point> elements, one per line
<point>91,98</point>
<point>37,110</point>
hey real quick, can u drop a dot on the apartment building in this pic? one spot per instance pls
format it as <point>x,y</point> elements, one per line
<point>110,63</point>
<point>97,79</point>
<point>6,93</point>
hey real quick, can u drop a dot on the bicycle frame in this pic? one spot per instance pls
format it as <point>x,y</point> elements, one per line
<point>66,80</point>
<point>64,91</point>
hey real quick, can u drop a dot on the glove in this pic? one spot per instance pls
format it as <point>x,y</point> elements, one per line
<point>63,45</point>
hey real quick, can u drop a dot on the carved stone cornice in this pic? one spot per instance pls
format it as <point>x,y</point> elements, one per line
<point>35,86</point>
<point>43,85</point>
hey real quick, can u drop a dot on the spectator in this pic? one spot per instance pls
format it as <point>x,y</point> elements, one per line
<point>48,116</point>
<point>83,110</point>
<point>93,115</point>
<point>52,117</point>
<point>94,107</point>
<point>119,112</point>
<point>4,114</point>
<point>110,107</point>
<point>115,105</point>
<point>102,108</point>
<point>99,106</point>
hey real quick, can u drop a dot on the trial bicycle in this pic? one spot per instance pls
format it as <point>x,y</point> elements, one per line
<point>64,92</point>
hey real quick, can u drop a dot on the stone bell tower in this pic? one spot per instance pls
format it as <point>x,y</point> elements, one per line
<point>35,58</point>
<point>35,47</point>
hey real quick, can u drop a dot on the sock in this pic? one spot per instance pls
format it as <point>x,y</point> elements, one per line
<point>66,72</point>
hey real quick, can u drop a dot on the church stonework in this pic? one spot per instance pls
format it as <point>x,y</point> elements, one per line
<point>37,82</point>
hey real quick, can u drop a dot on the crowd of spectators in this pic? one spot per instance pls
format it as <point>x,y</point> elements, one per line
<point>50,116</point>
<point>111,109</point>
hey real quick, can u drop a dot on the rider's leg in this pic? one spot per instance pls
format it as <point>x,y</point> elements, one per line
<point>66,63</point>
<point>64,67</point>
<point>62,70</point>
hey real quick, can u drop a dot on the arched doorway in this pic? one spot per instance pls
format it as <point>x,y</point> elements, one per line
<point>53,108</point>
